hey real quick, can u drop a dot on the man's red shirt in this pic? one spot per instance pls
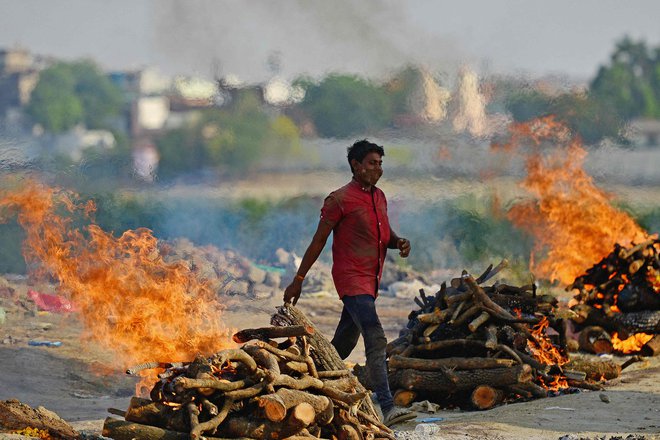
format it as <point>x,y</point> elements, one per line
<point>361,232</point>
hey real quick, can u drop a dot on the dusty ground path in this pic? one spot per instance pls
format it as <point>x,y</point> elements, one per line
<point>64,380</point>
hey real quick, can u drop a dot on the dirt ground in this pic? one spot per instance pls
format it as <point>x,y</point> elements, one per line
<point>79,382</point>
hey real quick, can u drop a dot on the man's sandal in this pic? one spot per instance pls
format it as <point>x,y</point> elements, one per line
<point>397,415</point>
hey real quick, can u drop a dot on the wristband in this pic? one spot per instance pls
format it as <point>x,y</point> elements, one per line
<point>299,277</point>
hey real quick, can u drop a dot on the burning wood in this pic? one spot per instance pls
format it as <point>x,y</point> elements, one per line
<point>480,344</point>
<point>262,390</point>
<point>21,417</point>
<point>617,303</point>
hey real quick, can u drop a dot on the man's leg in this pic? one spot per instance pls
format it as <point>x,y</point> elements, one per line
<point>346,334</point>
<point>362,309</point>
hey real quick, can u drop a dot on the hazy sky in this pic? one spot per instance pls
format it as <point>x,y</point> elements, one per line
<point>209,37</point>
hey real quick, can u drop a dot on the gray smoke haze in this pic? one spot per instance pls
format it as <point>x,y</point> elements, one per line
<point>363,36</point>
<point>305,37</point>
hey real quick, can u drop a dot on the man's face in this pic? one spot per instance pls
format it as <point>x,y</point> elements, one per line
<point>370,169</point>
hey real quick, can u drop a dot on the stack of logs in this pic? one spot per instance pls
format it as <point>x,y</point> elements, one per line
<point>620,294</point>
<point>262,390</point>
<point>477,345</point>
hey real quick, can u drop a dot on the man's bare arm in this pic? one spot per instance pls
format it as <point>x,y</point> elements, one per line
<point>292,292</point>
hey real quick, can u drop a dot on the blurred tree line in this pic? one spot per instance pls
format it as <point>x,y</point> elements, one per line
<point>626,88</point>
<point>233,139</point>
<point>240,137</point>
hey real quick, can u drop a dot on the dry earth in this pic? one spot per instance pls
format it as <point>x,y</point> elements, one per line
<point>79,382</point>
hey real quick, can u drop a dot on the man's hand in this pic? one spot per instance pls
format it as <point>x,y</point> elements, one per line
<point>403,244</point>
<point>292,292</point>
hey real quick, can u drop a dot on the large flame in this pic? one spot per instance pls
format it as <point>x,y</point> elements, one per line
<point>572,221</point>
<point>130,300</point>
<point>632,344</point>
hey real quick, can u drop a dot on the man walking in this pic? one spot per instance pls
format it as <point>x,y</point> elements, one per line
<point>356,214</point>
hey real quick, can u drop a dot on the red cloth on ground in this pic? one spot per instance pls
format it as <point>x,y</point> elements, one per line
<point>51,303</point>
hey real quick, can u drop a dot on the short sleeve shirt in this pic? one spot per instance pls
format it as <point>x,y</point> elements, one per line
<point>361,232</point>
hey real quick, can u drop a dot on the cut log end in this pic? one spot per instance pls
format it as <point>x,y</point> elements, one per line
<point>404,397</point>
<point>486,397</point>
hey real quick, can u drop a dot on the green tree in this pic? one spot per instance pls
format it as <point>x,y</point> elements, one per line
<point>586,116</point>
<point>345,105</point>
<point>180,152</point>
<point>54,103</point>
<point>401,86</point>
<point>528,104</point>
<point>99,97</point>
<point>71,93</point>
<point>232,140</point>
<point>630,83</point>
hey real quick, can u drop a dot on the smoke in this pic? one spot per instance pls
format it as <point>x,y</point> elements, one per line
<point>221,38</point>
<point>471,115</point>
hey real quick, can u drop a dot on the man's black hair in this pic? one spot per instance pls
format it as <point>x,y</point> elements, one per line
<point>360,149</point>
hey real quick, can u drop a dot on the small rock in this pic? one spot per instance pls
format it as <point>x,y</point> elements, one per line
<point>273,279</point>
<point>256,275</point>
<point>262,292</point>
<point>237,287</point>
<point>604,398</point>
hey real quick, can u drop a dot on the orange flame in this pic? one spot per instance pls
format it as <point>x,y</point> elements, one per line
<point>130,300</point>
<point>631,345</point>
<point>571,220</point>
<point>654,280</point>
<point>557,383</point>
<point>545,352</point>
<point>542,349</point>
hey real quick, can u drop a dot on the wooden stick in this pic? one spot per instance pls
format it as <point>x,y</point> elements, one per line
<point>437,316</point>
<point>234,354</point>
<point>536,390</point>
<point>458,298</point>
<point>266,333</point>
<point>196,431</point>
<point>333,374</point>
<point>471,363</point>
<point>183,383</point>
<point>458,310</point>
<point>503,265</point>
<point>469,313</point>
<point>476,322</point>
<point>386,432</point>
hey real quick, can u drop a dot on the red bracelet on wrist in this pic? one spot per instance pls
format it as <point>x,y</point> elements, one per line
<point>299,277</point>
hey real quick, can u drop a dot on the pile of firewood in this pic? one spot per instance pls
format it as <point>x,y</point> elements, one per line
<point>477,345</point>
<point>626,280</point>
<point>619,294</point>
<point>262,390</point>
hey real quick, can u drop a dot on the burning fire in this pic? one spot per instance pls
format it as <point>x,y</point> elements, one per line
<point>631,345</point>
<point>130,300</point>
<point>572,220</point>
<point>545,352</point>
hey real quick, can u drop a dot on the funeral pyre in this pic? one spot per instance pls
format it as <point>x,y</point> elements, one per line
<point>262,390</point>
<point>477,346</point>
<point>575,226</point>
<point>617,304</point>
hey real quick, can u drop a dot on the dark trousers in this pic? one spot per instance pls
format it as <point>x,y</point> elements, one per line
<point>359,318</point>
